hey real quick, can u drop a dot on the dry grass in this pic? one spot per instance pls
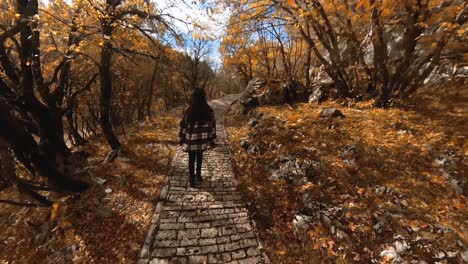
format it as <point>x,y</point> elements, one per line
<point>73,230</point>
<point>396,148</point>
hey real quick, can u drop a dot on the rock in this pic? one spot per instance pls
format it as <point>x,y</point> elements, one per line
<point>388,253</point>
<point>317,95</point>
<point>245,144</point>
<point>312,150</point>
<point>400,246</point>
<point>348,102</point>
<point>301,224</point>
<point>404,202</point>
<point>292,171</point>
<point>452,254</point>
<point>439,255</point>
<point>248,100</point>
<point>253,122</point>
<point>108,190</point>
<point>340,234</point>
<point>273,145</point>
<point>331,113</point>
<point>326,220</point>
<point>100,181</point>
<point>348,153</point>
<point>378,227</point>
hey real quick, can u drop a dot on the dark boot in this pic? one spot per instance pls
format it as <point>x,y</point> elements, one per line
<point>199,178</point>
<point>192,180</point>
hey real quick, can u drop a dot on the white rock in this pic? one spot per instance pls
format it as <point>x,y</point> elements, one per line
<point>301,225</point>
<point>108,190</point>
<point>404,203</point>
<point>400,246</point>
<point>440,255</point>
<point>341,234</point>
<point>452,254</point>
<point>388,253</point>
<point>100,181</point>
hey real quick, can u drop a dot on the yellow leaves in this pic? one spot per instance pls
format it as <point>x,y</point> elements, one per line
<point>352,226</point>
<point>423,24</point>
<point>51,48</point>
<point>281,252</point>
<point>291,3</point>
<point>462,31</point>
<point>64,224</point>
<point>54,212</point>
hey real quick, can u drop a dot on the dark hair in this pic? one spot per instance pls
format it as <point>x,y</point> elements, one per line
<point>198,110</point>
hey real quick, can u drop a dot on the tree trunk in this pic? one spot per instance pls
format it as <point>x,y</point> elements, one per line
<point>151,90</point>
<point>29,153</point>
<point>307,68</point>
<point>78,140</point>
<point>106,89</point>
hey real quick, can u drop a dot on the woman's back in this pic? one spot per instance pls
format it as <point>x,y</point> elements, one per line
<point>198,125</point>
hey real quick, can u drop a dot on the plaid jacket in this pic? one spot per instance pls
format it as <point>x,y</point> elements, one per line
<point>198,135</point>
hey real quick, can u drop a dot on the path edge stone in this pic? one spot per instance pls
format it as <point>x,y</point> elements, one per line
<point>146,248</point>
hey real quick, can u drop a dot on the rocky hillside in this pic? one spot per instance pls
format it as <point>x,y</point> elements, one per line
<point>349,183</point>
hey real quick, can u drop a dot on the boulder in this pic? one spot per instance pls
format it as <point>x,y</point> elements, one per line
<point>301,224</point>
<point>349,153</point>
<point>331,113</point>
<point>257,93</point>
<point>320,91</point>
<point>248,100</point>
<point>295,171</point>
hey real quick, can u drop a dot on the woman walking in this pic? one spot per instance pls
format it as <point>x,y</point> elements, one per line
<point>197,132</point>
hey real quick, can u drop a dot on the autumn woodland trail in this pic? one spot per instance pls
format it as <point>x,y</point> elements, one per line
<point>208,223</point>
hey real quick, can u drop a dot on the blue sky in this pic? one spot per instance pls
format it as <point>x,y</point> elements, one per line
<point>212,25</point>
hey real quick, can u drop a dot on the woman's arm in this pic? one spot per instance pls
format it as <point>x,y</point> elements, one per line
<point>182,130</point>
<point>213,121</point>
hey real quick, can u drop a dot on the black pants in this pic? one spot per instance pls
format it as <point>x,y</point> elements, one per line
<point>195,155</point>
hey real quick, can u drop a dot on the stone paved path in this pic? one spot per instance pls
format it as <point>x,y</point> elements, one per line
<point>208,223</point>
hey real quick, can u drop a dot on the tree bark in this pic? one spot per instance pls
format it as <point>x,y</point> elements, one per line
<point>29,153</point>
<point>151,90</point>
<point>106,88</point>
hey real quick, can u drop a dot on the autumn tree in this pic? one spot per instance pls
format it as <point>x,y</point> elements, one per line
<point>51,57</point>
<point>390,47</point>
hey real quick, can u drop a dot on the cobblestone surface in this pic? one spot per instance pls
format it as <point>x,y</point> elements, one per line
<point>208,223</point>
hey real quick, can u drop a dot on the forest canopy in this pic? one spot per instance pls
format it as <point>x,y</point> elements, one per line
<point>70,69</point>
<point>73,69</point>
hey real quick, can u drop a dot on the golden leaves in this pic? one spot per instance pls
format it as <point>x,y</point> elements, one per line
<point>55,211</point>
<point>292,3</point>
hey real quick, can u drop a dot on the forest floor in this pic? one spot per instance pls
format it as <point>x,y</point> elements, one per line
<point>108,222</point>
<point>381,191</point>
<point>378,193</point>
